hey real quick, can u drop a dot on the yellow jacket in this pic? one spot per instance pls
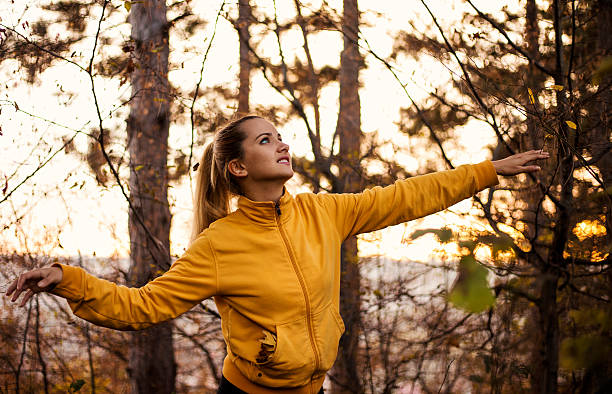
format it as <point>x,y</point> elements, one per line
<point>274,273</point>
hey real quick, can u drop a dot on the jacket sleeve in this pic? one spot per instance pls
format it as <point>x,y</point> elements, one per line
<point>407,199</point>
<point>191,279</point>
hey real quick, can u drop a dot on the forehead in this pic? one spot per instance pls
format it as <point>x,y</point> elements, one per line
<point>256,126</point>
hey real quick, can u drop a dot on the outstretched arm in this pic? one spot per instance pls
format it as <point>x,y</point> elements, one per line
<point>419,196</point>
<point>190,279</point>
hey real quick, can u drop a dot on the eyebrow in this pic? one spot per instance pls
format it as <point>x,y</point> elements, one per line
<point>266,133</point>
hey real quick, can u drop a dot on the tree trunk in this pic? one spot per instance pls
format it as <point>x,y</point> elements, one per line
<point>545,354</point>
<point>601,143</point>
<point>151,365</point>
<point>346,373</point>
<point>244,21</point>
<point>545,364</point>
<point>533,138</point>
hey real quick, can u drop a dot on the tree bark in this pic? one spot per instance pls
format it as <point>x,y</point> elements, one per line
<point>604,113</point>
<point>545,364</point>
<point>346,373</point>
<point>244,21</point>
<point>151,365</point>
<point>533,138</point>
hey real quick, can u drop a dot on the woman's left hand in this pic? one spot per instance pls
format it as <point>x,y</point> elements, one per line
<point>516,164</point>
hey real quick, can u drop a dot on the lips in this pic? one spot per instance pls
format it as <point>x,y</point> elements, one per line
<point>283,160</point>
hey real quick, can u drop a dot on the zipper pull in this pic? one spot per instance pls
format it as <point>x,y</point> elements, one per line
<point>277,206</point>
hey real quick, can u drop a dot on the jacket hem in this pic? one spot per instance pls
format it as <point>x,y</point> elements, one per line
<point>235,377</point>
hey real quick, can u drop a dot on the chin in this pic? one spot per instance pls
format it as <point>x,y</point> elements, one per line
<point>288,176</point>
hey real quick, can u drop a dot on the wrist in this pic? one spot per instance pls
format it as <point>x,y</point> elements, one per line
<point>58,274</point>
<point>496,166</point>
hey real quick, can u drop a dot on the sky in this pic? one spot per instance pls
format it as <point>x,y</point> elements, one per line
<point>61,211</point>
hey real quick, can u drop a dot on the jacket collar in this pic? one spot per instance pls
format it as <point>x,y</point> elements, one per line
<point>266,212</point>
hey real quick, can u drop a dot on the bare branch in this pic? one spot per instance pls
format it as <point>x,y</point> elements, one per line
<point>499,28</point>
<point>197,90</point>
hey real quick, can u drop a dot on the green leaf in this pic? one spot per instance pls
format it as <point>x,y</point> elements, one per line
<point>498,243</point>
<point>77,385</point>
<point>604,69</point>
<point>443,234</point>
<point>470,291</point>
<point>584,351</point>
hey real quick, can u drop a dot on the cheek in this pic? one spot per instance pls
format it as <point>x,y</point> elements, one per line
<point>258,159</point>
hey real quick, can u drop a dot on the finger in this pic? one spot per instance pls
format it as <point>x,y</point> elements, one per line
<point>25,277</point>
<point>539,153</point>
<point>44,283</point>
<point>533,155</point>
<point>16,294</point>
<point>21,281</point>
<point>26,298</point>
<point>47,281</point>
<point>11,288</point>
<point>17,289</point>
<point>530,169</point>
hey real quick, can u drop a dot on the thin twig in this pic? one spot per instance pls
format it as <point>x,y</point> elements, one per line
<point>445,375</point>
<point>197,90</point>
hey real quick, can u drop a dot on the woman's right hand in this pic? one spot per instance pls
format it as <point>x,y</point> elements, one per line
<point>35,281</point>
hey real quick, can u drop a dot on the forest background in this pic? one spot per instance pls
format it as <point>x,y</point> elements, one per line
<point>106,107</point>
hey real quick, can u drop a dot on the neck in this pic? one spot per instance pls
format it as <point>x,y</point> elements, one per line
<point>266,192</point>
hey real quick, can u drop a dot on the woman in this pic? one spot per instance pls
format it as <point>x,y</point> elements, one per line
<point>272,266</point>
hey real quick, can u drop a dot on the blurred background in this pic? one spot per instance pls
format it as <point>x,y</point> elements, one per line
<point>106,107</point>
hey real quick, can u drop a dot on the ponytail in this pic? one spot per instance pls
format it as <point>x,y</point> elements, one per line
<point>214,183</point>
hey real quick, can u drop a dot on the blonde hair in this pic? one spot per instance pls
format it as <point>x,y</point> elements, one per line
<point>214,183</point>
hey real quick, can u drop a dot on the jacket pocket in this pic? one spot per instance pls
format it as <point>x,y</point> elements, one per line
<point>291,364</point>
<point>329,327</point>
<point>246,339</point>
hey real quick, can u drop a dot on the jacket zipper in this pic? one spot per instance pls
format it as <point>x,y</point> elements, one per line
<point>302,284</point>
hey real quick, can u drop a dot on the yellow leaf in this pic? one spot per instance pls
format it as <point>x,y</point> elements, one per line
<point>571,124</point>
<point>531,98</point>
<point>158,99</point>
<point>138,167</point>
<point>127,5</point>
<point>557,87</point>
<point>268,339</point>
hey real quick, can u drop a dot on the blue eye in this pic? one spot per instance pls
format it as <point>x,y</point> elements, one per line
<point>264,140</point>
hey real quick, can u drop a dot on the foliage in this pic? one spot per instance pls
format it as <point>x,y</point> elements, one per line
<point>532,78</point>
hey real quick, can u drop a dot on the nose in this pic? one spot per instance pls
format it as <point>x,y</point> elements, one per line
<point>283,147</point>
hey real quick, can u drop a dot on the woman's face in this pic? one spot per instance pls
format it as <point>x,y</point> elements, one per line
<point>266,157</point>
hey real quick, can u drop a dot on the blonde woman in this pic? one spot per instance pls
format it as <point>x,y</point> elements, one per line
<point>272,266</point>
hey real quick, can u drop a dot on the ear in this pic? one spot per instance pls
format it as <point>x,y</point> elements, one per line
<point>237,169</point>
